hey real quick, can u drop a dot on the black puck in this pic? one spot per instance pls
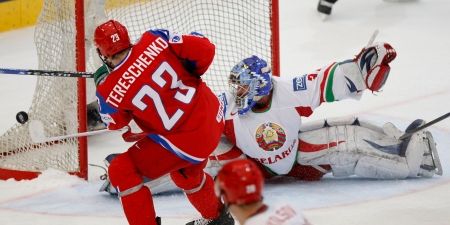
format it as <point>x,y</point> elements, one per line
<point>22,117</point>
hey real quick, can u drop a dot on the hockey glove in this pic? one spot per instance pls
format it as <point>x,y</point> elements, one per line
<point>373,62</point>
<point>129,136</point>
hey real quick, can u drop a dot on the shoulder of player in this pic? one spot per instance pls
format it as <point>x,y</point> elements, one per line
<point>283,92</point>
<point>171,37</point>
<point>165,34</point>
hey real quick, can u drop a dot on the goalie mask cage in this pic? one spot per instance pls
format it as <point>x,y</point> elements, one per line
<point>63,38</point>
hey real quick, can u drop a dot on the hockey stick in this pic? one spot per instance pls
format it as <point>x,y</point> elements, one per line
<point>37,133</point>
<point>372,38</point>
<point>50,73</point>
<point>409,133</point>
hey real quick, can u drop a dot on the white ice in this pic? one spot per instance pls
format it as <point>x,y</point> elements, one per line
<point>418,87</point>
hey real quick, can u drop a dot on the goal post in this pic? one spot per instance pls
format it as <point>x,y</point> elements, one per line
<point>80,62</point>
<point>64,42</point>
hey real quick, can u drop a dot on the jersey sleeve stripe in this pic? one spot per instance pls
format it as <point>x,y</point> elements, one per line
<point>323,83</point>
<point>329,96</point>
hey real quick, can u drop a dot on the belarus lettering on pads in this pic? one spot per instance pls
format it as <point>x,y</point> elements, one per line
<point>277,157</point>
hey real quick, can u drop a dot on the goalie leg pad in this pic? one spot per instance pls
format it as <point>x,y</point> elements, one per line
<point>361,148</point>
<point>357,148</point>
<point>381,168</point>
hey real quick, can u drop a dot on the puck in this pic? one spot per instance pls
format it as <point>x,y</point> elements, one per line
<point>22,117</point>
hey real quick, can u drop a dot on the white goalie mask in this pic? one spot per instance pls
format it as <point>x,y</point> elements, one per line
<point>249,81</point>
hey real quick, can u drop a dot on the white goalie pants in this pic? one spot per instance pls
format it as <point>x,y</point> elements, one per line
<point>354,147</point>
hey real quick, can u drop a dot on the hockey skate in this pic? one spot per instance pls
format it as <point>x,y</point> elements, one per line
<point>326,6</point>
<point>107,187</point>
<point>224,218</point>
<point>421,153</point>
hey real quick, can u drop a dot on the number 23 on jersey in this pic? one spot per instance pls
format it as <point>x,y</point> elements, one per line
<point>168,120</point>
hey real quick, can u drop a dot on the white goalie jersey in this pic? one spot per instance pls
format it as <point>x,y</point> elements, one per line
<point>271,137</point>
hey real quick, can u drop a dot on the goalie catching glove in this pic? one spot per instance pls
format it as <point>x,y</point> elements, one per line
<point>370,68</point>
<point>373,62</point>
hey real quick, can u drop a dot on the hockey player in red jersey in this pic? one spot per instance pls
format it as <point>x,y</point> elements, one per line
<point>157,83</point>
<point>263,120</point>
<point>240,184</point>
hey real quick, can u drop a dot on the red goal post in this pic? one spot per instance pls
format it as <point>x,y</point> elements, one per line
<point>63,38</point>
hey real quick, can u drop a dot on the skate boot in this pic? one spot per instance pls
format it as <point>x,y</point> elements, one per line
<point>325,6</point>
<point>158,220</point>
<point>224,218</point>
<point>421,153</point>
<point>106,186</point>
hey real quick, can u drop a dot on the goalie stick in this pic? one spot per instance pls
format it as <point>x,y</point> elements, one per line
<point>372,38</point>
<point>50,73</point>
<point>411,132</point>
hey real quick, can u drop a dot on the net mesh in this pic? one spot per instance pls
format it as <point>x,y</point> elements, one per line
<point>238,28</point>
<point>54,101</point>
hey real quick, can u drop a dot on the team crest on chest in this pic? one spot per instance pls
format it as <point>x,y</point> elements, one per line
<point>270,136</point>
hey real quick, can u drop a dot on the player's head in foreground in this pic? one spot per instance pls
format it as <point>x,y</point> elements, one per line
<point>250,81</point>
<point>112,42</point>
<point>240,184</point>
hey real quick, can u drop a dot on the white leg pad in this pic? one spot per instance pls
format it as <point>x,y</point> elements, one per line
<point>353,147</point>
<point>381,168</point>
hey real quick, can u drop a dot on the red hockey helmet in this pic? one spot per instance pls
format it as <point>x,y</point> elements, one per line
<point>239,182</point>
<point>111,38</point>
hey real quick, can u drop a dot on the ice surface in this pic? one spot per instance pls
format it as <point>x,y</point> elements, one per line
<point>418,87</point>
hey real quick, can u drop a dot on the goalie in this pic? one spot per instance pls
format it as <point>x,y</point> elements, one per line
<point>263,120</point>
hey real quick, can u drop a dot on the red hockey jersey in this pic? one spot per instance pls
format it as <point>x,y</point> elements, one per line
<point>159,86</point>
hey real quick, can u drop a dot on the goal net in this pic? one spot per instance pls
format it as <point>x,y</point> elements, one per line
<point>238,28</point>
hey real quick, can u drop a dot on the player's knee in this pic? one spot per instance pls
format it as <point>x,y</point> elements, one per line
<point>121,172</point>
<point>188,180</point>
